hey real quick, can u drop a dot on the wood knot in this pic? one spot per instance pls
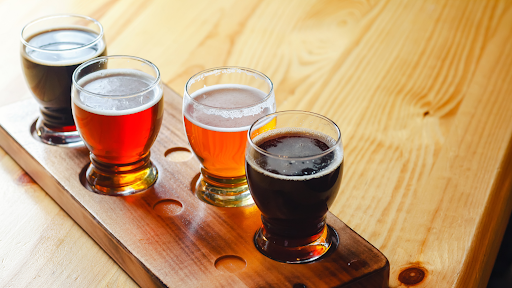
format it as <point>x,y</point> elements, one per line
<point>24,179</point>
<point>412,275</point>
<point>425,114</point>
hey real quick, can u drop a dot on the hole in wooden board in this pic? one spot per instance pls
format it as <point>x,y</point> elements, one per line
<point>168,207</point>
<point>230,263</point>
<point>299,285</point>
<point>178,154</point>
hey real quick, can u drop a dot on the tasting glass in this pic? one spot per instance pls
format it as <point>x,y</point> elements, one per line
<point>118,109</point>
<point>219,106</point>
<point>51,49</point>
<point>294,171</point>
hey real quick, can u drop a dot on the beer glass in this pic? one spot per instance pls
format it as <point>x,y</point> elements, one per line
<point>294,171</point>
<point>118,108</point>
<point>51,48</point>
<point>219,106</point>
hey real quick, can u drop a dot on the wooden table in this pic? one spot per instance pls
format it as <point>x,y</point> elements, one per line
<point>422,91</point>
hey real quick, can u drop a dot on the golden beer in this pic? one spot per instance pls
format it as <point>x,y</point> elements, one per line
<point>216,119</point>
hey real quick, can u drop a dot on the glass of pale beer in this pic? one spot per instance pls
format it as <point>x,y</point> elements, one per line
<point>294,171</point>
<point>219,106</point>
<point>51,49</point>
<point>118,108</point>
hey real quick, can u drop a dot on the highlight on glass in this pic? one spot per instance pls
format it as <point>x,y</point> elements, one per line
<point>219,106</point>
<point>118,108</point>
<point>294,171</point>
<point>51,49</point>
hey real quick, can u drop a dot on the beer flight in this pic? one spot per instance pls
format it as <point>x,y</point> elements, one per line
<point>288,163</point>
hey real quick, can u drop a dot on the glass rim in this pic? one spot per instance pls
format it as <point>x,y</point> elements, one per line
<point>85,46</point>
<point>275,114</point>
<point>104,58</point>
<point>195,76</point>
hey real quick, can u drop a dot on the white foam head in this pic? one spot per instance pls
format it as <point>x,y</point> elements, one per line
<point>226,111</point>
<point>63,46</point>
<point>115,92</point>
<point>331,142</point>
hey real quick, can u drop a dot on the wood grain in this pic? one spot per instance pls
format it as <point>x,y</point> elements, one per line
<point>41,246</point>
<point>166,237</point>
<point>421,91</point>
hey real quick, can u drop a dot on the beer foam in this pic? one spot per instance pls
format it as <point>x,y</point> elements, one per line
<point>231,112</point>
<point>120,82</point>
<point>228,111</point>
<point>53,51</point>
<point>333,165</point>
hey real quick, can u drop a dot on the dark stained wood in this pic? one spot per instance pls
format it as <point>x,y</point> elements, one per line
<point>166,236</point>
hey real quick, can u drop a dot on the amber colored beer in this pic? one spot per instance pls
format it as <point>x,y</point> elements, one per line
<point>119,136</point>
<point>220,152</point>
<point>120,139</point>
<point>118,110</point>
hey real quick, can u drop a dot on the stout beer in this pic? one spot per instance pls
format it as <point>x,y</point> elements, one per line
<point>294,195</point>
<point>294,171</point>
<point>48,62</point>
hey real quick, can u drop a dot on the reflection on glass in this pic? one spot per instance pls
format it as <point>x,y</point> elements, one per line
<point>294,171</point>
<point>51,49</point>
<point>219,106</point>
<point>118,108</point>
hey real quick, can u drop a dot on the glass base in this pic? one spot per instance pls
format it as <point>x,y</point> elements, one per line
<point>223,196</point>
<point>296,254</point>
<point>117,180</point>
<point>57,138</point>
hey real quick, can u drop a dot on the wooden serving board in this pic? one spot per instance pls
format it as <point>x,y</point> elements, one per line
<point>166,237</point>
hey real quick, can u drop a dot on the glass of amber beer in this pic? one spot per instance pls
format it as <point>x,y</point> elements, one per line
<point>51,49</point>
<point>219,106</point>
<point>294,172</point>
<point>118,109</point>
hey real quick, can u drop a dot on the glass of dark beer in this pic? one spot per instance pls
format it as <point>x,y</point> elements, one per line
<point>118,108</point>
<point>51,48</point>
<point>219,106</point>
<point>294,171</point>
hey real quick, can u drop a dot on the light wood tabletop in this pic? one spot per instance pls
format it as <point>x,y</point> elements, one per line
<point>421,90</point>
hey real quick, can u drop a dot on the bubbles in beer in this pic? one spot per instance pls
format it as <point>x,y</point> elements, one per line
<point>228,106</point>
<point>228,96</point>
<point>114,92</point>
<point>295,154</point>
